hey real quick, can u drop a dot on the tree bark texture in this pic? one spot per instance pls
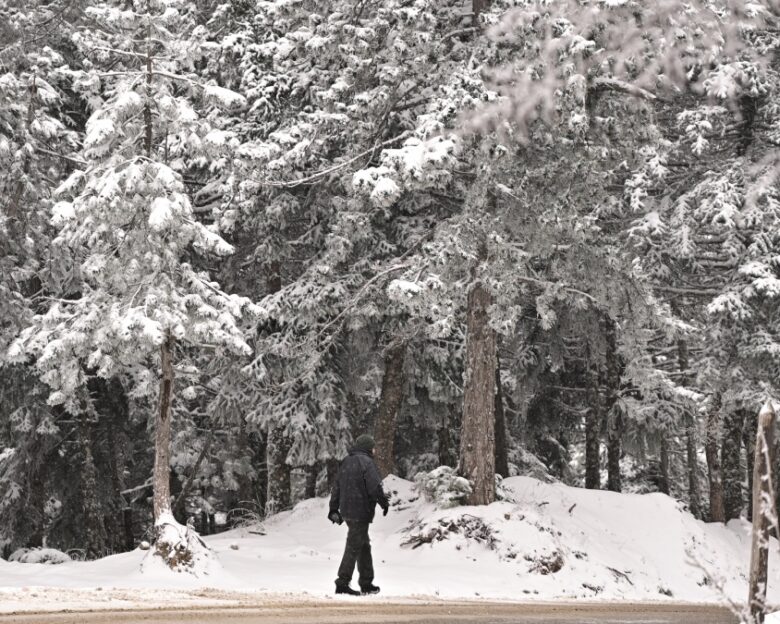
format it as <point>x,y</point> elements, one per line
<point>691,456</point>
<point>96,542</point>
<point>749,432</point>
<point>477,440</point>
<point>310,486</point>
<point>663,467</point>
<point>278,498</point>
<point>162,433</point>
<point>731,464</point>
<point>389,404</point>
<point>446,444</point>
<point>501,450</point>
<point>615,423</point>
<point>593,418</point>
<point>692,462</point>
<point>764,504</point>
<point>712,435</point>
<point>332,468</point>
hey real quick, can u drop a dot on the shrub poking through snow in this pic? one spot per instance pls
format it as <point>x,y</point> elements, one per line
<point>39,555</point>
<point>443,487</point>
<point>469,527</point>
<point>546,564</point>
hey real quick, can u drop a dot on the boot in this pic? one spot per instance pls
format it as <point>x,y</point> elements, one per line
<point>369,589</point>
<point>346,589</point>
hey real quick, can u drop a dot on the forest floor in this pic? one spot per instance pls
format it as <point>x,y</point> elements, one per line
<point>424,613</point>
<point>543,542</point>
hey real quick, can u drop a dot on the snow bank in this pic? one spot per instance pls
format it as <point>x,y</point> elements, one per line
<point>543,542</point>
<point>39,555</point>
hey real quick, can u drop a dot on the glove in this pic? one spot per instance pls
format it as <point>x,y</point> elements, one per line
<point>385,509</point>
<point>335,517</point>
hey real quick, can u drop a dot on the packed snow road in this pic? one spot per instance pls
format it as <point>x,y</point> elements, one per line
<point>384,613</point>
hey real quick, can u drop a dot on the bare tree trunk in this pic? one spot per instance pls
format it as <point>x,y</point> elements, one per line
<point>278,495</point>
<point>446,451</point>
<point>310,487</point>
<point>502,452</point>
<point>332,466</point>
<point>717,513</point>
<point>663,465</point>
<point>731,464</point>
<point>279,445</point>
<point>614,415</point>
<point>764,495</point>
<point>694,491</point>
<point>692,461</point>
<point>389,405</point>
<point>96,544</point>
<point>162,434</point>
<point>593,419</point>
<point>34,509</point>
<point>477,440</point>
<point>259,452</point>
<point>749,433</point>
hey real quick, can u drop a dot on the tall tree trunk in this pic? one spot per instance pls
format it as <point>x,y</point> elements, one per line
<point>477,440</point>
<point>502,452</point>
<point>96,542</point>
<point>731,464</point>
<point>245,482</point>
<point>717,513</point>
<point>110,403</point>
<point>162,434</point>
<point>593,419</point>
<point>749,433</point>
<point>332,467</point>
<point>34,514</point>
<point>279,445</point>
<point>692,461</point>
<point>278,495</point>
<point>310,486</point>
<point>663,465</point>
<point>445,442</point>
<point>614,414</point>
<point>692,457</point>
<point>764,500</point>
<point>389,405</point>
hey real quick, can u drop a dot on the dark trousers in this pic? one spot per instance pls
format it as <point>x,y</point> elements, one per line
<point>357,550</point>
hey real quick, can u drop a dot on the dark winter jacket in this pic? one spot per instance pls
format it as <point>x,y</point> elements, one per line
<point>358,488</point>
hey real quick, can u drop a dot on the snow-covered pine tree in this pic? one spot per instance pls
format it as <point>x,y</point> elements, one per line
<point>129,222</point>
<point>35,150</point>
<point>706,200</point>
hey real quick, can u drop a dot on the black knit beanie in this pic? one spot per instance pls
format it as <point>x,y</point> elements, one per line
<point>365,443</point>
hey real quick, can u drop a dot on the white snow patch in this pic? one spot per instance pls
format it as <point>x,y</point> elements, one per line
<point>160,213</point>
<point>541,542</point>
<point>224,98</point>
<point>49,556</point>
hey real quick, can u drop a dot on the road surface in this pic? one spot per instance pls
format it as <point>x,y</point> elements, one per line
<point>337,612</point>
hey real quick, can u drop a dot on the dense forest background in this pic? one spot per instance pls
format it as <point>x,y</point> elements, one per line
<point>508,237</point>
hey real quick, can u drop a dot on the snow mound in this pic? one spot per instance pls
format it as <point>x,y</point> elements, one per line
<point>542,541</point>
<point>51,556</point>
<point>179,549</point>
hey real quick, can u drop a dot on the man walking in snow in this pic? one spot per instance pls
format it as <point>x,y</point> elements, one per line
<point>356,493</point>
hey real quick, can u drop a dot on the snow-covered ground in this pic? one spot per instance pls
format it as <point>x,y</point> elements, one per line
<point>544,542</point>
